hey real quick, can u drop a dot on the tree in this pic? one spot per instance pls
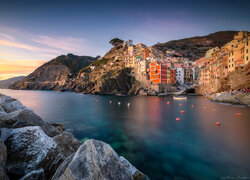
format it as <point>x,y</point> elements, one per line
<point>116,41</point>
<point>98,57</point>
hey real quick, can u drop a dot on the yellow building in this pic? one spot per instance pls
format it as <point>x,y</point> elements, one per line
<point>230,61</point>
<point>247,51</point>
<point>237,50</point>
<point>130,61</point>
<point>239,54</point>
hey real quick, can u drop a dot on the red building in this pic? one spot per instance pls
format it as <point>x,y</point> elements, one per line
<point>160,73</point>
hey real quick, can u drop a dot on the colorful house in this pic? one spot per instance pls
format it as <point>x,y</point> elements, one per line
<point>160,73</point>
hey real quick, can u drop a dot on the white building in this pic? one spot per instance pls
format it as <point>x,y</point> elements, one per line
<point>180,74</point>
<point>142,66</point>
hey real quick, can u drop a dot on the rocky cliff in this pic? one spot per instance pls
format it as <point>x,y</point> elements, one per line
<point>31,149</point>
<point>196,47</point>
<point>4,84</point>
<point>106,76</point>
<point>218,90</point>
<point>238,79</point>
<point>54,74</point>
<point>83,74</point>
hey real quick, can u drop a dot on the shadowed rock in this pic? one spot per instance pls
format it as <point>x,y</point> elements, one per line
<point>29,148</point>
<point>96,160</point>
<point>3,156</point>
<point>14,115</point>
<point>34,175</point>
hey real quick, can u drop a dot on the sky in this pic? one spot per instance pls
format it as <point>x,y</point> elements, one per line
<point>35,31</point>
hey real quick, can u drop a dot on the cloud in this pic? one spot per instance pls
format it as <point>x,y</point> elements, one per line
<point>63,43</point>
<point>12,68</point>
<point>6,36</point>
<point>27,47</point>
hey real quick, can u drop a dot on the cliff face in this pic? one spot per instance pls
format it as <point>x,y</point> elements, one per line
<point>54,74</point>
<point>5,83</point>
<point>83,74</point>
<point>238,79</point>
<point>105,76</point>
<point>196,47</point>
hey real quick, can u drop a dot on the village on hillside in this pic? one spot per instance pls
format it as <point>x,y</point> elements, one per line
<point>172,68</point>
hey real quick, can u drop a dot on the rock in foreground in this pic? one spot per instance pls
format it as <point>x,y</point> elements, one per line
<point>97,160</point>
<point>31,148</point>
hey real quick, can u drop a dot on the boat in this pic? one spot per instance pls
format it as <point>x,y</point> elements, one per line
<point>180,97</point>
<point>162,94</point>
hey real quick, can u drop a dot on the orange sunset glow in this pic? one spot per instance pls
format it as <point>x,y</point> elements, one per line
<point>13,68</point>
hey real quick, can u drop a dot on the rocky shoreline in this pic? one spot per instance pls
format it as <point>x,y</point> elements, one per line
<point>226,97</point>
<point>31,148</point>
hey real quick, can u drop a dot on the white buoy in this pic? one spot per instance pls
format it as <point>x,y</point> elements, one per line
<point>119,103</point>
<point>128,104</point>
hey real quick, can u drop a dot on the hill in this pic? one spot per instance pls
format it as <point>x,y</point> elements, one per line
<point>54,73</point>
<point>4,84</point>
<point>196,47</point>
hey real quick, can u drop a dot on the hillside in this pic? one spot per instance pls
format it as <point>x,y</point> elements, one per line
<point>109,76</point>
<point>196,47</point>
<point>4,84</point>
<point>55,73</point>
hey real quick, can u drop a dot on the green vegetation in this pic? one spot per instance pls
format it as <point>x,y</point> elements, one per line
<point>116,41</point>
<point>99,62</point>
<point>75,63</point>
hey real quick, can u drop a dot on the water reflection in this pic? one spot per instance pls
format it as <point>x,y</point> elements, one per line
<point>148,135</point>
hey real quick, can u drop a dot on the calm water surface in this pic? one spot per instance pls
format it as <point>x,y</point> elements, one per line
<point>148,135</point>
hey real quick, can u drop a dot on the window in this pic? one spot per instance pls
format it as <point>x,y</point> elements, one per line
<point>247,51</point>
<point>247,58</point>
<point>229,66</point>
<point>247,43</point>
<point>232,59</point>
<point>232,65</point>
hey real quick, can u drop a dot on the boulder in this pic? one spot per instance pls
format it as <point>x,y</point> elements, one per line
<point>34,175</point>
<point>97,160</point>
<point>26,117</point>
<point>67,143</point>
<point>3,156</point>
<point>10,106</point>
<point>135,172</point>
<point>60,170</point>
<point>29,148</point>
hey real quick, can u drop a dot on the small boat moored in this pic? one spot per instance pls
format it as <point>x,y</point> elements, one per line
<point>180,97</point>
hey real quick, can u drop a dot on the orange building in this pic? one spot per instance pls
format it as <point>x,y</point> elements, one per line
<point>172,76</point>
<point>160,73</point>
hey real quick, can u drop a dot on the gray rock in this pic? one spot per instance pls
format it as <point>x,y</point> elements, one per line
<point>12,106</point>
<point>29,148</point>
<point>135,172</point>
<point>26,117</point>
<point>34,175</point>
<point>67,143</point>
<point>96,160</point>
<point>60,170</point>
<point>3,156</point>
<point>226,97</point>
